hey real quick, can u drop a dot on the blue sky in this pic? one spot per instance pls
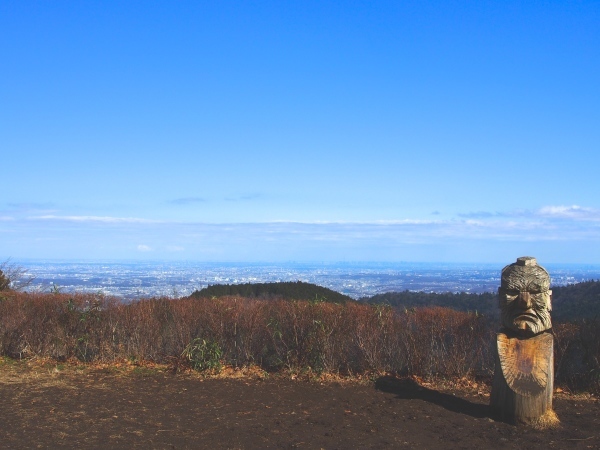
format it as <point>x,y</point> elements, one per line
<point>300,131</point>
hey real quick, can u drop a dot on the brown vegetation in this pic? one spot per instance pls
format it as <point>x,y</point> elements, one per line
<point>351,338</point>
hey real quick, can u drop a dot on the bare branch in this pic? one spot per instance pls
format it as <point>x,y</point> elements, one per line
<point>14,277</point>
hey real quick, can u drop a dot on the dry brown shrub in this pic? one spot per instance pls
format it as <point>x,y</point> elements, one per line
<point>445,342</point>
<point>577,355</point>
<point>276,335</point>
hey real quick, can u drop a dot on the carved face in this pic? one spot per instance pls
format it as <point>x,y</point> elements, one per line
<point>525,298</point>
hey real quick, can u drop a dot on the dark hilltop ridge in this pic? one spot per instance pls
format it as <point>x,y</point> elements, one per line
<point>484,303</point>
<point>572,302</point>
<point>289,290</point>
<point>576,301</point>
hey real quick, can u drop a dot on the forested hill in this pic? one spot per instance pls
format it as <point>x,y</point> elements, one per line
<point>485,303</point>
<point>288,290</point>
<point>572,302</point>
<point>576,301</point>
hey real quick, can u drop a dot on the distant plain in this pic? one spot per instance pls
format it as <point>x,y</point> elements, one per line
<point>134,279</point>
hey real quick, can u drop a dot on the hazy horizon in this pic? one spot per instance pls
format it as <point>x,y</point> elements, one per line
<point>138,279</point>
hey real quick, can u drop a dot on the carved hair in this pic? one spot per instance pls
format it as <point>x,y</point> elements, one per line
<point>525,274</point>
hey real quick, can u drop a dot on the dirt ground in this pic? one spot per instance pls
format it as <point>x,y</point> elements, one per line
<point>160,410</point>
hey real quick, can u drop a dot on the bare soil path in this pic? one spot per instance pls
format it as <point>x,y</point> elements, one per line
<point>154,410</point>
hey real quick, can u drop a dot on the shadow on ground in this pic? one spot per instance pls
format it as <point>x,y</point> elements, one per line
<point>407,388</point>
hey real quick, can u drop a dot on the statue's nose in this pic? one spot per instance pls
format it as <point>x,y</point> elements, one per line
<point>525,300</point>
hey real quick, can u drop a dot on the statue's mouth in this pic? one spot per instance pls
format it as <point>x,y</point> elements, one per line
<point>526,317</point>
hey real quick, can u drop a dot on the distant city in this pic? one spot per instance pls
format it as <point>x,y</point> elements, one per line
<point>133,280</point>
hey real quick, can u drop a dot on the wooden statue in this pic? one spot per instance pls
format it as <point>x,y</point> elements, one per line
<point>524,373</point>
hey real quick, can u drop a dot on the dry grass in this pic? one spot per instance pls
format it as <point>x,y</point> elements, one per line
<point>547,421</point>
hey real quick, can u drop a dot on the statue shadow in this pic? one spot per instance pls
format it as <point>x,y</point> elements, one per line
<point>406,388</point>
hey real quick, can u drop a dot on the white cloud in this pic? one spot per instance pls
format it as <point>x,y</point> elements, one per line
<point>570,212</point>
<point>545,224</point>
<point>532,229</point>
<point>573,212</point>
<point>97,219</point>
<point>549,227</point>
<point>343,223</point>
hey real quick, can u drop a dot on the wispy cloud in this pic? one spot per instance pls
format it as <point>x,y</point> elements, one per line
<point>545,224</point>
<point>243,198</point>
<point>20,209</point>
<point>396,231</point>
<point>85,235</point>
<point>570,212</point>
<point>354,222</point>
<point>497,214</point>
<point>92,219</point>
<point>479,215</point>
<point>574,212</point>
<point>187,201</point>
<point>548,223</point>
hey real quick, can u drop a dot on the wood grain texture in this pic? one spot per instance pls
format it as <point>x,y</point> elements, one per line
<point>523,378</point>
<point>525,362</point>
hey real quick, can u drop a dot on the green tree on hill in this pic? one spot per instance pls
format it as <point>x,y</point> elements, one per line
<point>484,303</point>
<point>4,281</point>
<point>576,301</point>
<point>288,290</point>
